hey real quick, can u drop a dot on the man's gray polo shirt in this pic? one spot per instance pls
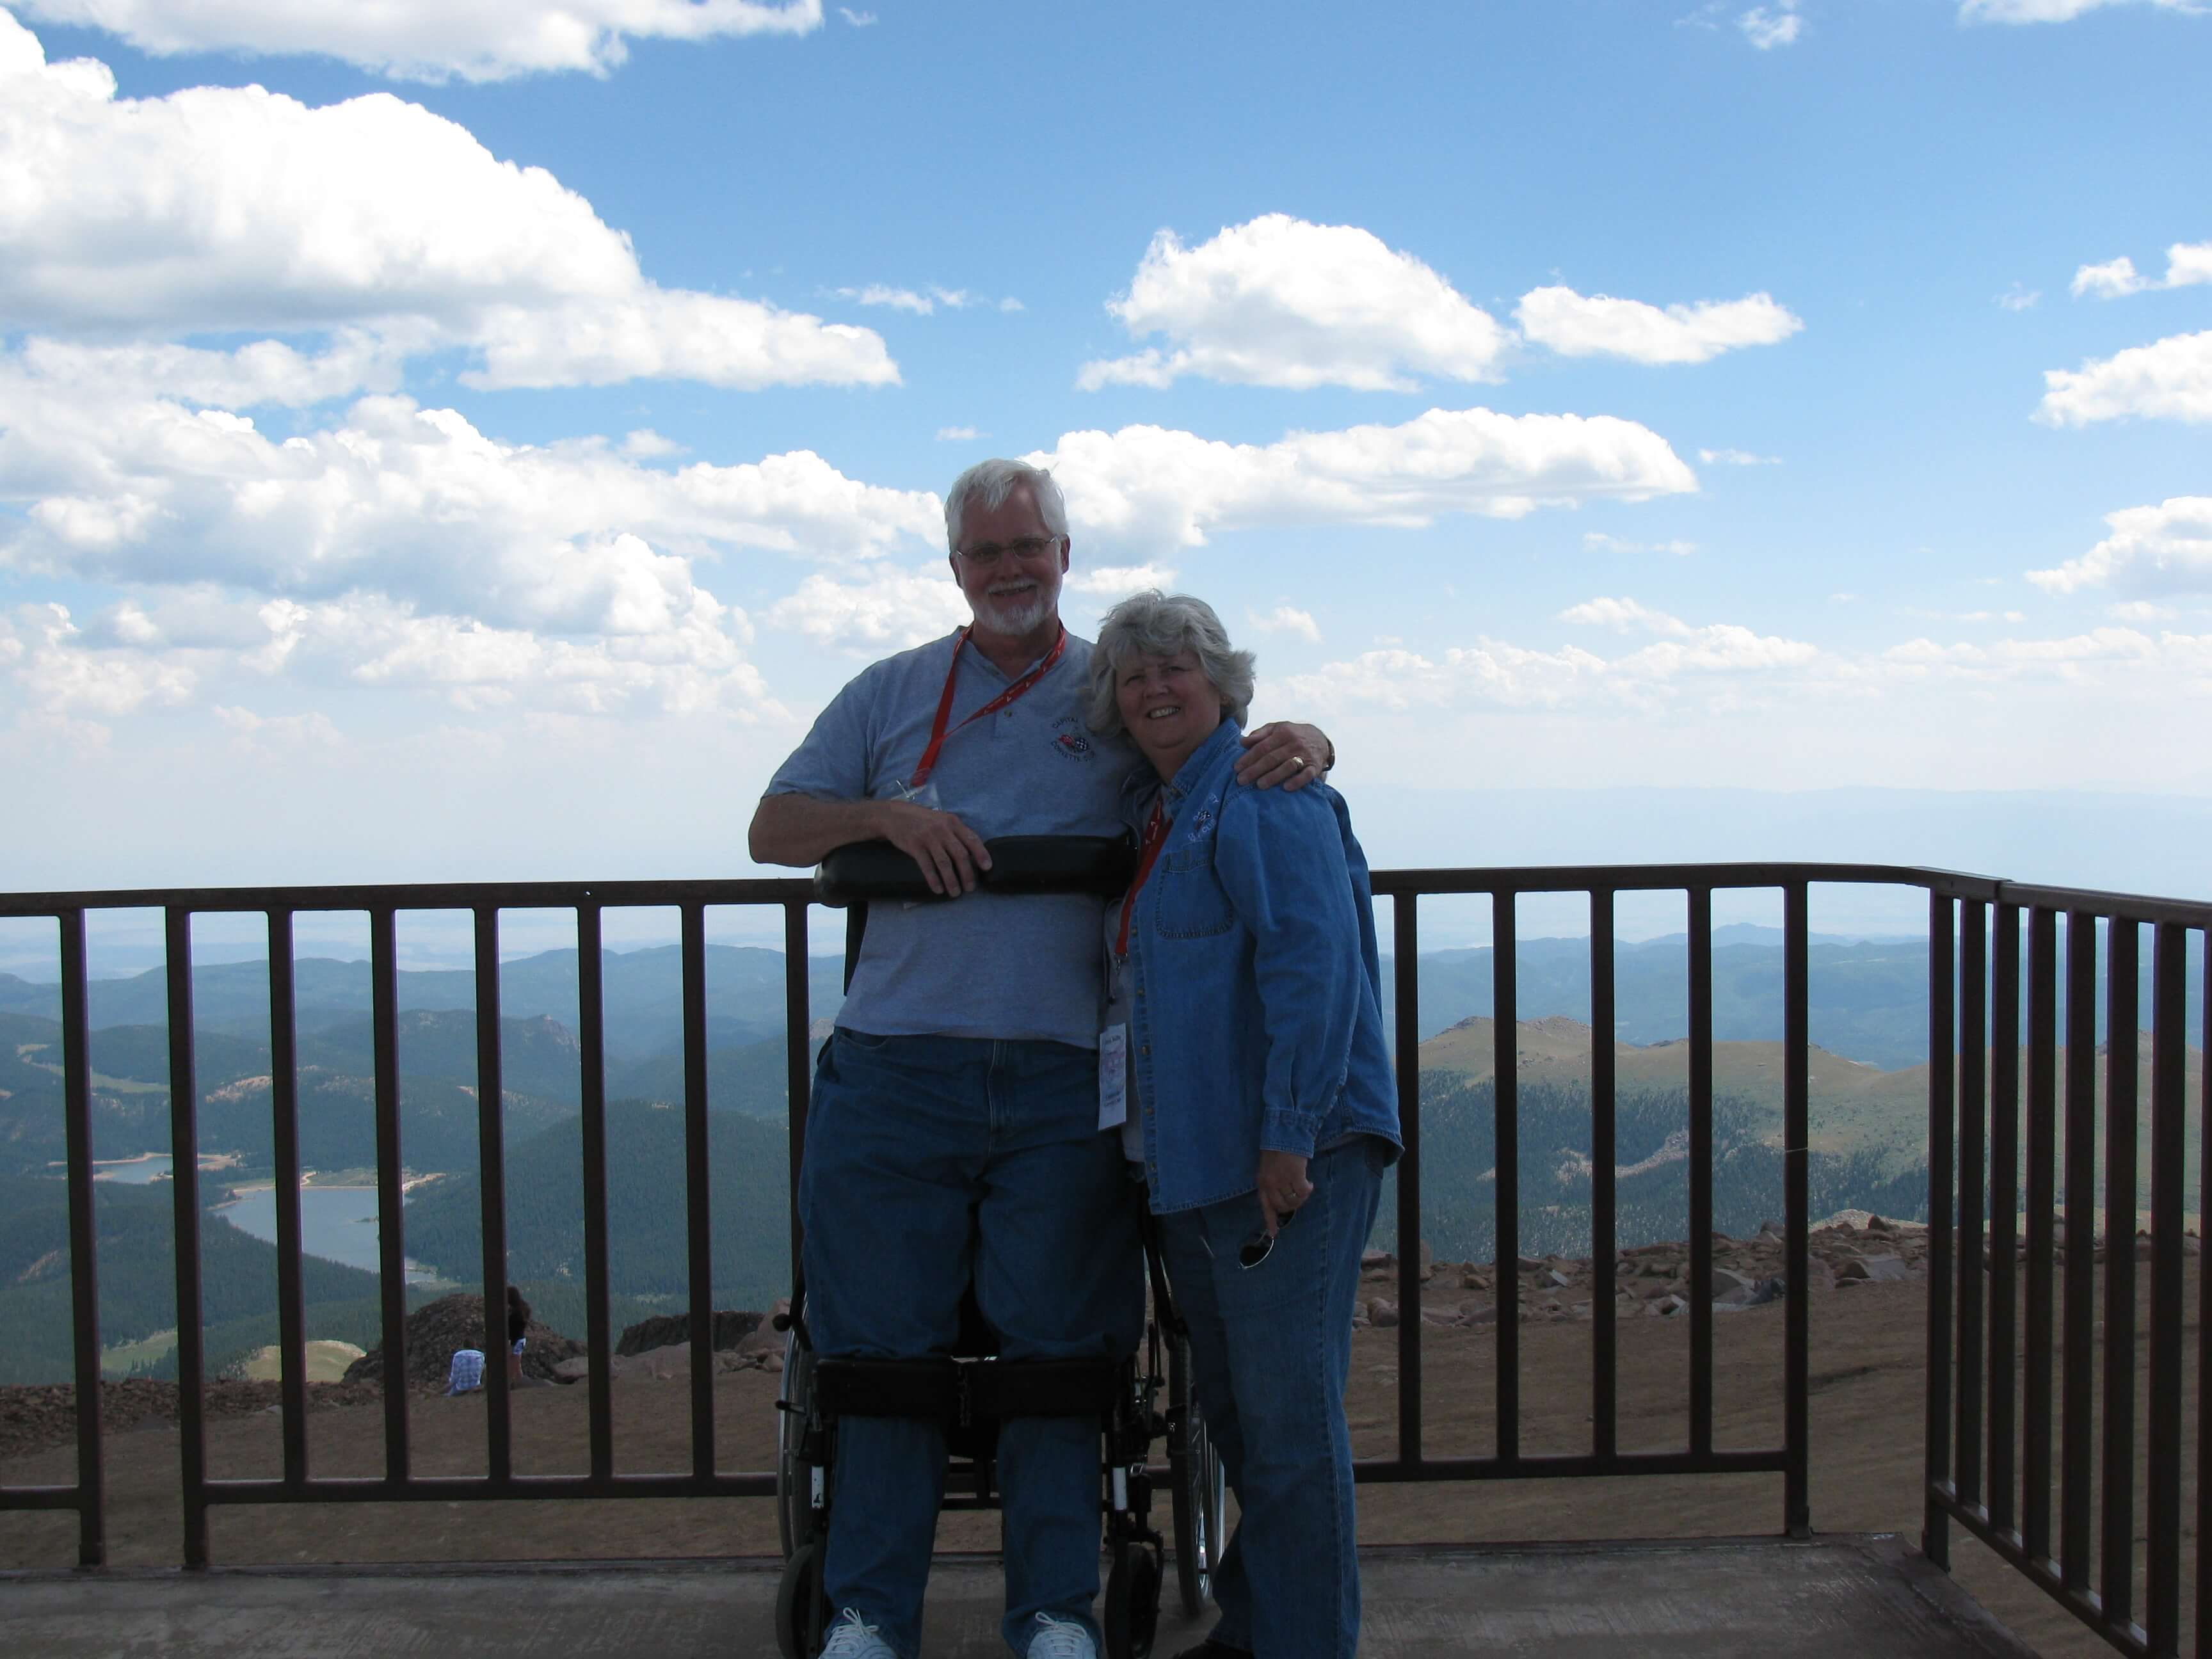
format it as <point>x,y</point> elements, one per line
<point>982,965</point>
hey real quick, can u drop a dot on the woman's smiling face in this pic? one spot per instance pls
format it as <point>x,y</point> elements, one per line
<point>1169,706</point>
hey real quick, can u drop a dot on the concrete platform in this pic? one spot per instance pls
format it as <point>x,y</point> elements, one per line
<point>1847,1597</point>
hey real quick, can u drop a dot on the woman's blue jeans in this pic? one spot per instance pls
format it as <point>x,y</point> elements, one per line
<point>1271,1346</point>
<point>931,1161</point>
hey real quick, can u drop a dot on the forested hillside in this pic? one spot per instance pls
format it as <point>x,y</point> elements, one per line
<point>748,1162</point>
<point>137,1277</point>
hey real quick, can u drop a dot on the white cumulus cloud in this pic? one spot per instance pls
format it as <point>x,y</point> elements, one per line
<point>235,208</point>
<point>1736,458</point>
<point>885,609</point>
<point>1769,27</point>
<point>1149,489</point>
<point>1282,302</point>
<point>2166,549</point>
<point>64,675</point>
<point>417,502</point>
<point>2170,378</point>
<point>1592,325</point>
<point>1286,619</point>
<point>1597,541</point>
<point>1711,662</point>
<point>2187,264</point>
<point>431,40</point>
<point>2053,11</point>
<point>1118,581</point>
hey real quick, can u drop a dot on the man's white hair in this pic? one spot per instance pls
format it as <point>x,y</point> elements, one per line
<point>990,482</point>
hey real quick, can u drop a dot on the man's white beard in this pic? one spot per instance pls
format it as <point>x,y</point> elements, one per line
<point>1014,615</point>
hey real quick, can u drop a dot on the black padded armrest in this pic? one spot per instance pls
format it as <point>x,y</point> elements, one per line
<point>867,870</point>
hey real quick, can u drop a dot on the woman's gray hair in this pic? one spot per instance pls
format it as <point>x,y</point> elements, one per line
<point>1156,624</point>
<point>991,483</point>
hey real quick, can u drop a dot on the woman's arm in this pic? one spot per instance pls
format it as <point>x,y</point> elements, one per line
<point>1280,859</point>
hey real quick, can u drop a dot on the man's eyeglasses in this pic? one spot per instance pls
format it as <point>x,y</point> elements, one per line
<point>987,554</point>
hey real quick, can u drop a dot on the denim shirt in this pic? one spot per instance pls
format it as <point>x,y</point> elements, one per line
<point>1253,982</point>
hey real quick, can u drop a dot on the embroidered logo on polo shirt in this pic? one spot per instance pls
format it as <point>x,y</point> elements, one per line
<point>1070,740</point>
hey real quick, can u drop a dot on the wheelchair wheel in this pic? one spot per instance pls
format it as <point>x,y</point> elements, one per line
<point>801,1614</point>
<point>1132,1614</point>
<point>794,1494</point>
<point>1197,1491</point>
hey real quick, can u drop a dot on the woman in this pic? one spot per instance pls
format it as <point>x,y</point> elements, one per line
<point>517,1328</point>
<point>1242,972</point>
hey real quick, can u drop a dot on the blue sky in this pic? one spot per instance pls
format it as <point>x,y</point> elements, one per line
<point>453,442</point>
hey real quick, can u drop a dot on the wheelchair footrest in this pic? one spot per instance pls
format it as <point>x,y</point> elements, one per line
<point>947,1390</point>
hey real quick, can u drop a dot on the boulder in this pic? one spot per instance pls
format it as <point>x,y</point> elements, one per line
<point>732,1327</point>
<point>1382,1315</point>
<point>435,1330</point>
<point>1871,1268</point>
<point>1755,1293</point>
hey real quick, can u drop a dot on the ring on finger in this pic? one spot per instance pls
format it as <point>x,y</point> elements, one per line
<point>1298,762</point>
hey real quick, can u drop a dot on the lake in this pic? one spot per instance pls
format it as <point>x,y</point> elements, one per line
<point>137,1173</point>
<point>336,1223</point>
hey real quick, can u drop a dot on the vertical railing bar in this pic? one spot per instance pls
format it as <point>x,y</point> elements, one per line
<point>1701,1170</point>
<point>1797,1113</point>
<point>1605,1243</point>
<point>2078,1344</point>
<point>1405,969</point>
<point>699,1218</point>
<point>391,1192</point>
<point>284,1142</point>
<point>592,1083</point>
<point>84,1242</point>
<point>1505,1068</point>
<point>184,1198</point>
<point>798,1053</point>
<point>1943,1185</point>
<point>2169,1107</point>
<point>2116,1556</point>
<point>2041,1195</point>
<point>2203,1620</point>
<point>491,1189</point>
<point>2004,1216</point>
<point>1972,1173</point>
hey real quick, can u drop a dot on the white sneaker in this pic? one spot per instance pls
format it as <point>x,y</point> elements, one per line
<point>1060,1638</point>
<point>851,1638</point>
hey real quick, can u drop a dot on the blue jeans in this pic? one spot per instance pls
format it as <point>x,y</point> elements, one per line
<point>931,1161</point>
<point>1270,1348</point>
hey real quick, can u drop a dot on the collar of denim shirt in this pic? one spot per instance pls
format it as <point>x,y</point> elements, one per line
<point>1143,786</point>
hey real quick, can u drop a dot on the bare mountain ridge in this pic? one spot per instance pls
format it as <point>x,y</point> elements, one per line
<point>1854,1107</point>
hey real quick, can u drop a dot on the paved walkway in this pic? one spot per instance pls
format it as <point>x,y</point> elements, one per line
<point>1836,1598</point>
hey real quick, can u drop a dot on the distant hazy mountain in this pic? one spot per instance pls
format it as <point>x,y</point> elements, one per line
<point>642,995</point>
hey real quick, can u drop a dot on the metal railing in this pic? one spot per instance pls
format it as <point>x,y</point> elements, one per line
<point>1989,1434</point>
<point>1971,1400</point>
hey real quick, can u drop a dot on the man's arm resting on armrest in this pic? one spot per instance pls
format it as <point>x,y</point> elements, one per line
<point>803,829</point>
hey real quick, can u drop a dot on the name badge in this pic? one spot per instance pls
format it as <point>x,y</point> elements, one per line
<point>1113,1077</point>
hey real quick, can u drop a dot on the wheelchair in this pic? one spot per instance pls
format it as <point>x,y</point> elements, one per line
<point>972,1390</point>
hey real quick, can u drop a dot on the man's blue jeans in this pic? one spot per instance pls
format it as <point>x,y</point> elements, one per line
<point>1270,1348</point>
<point>931,1161</point>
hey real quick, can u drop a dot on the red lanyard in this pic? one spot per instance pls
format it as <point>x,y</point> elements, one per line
<point>1156,837</point>
<point>938,732</point>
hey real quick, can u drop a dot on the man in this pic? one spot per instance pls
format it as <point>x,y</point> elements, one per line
<point>954,1129</point>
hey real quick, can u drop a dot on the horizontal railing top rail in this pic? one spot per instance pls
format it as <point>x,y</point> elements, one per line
<point>1422,881</point>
